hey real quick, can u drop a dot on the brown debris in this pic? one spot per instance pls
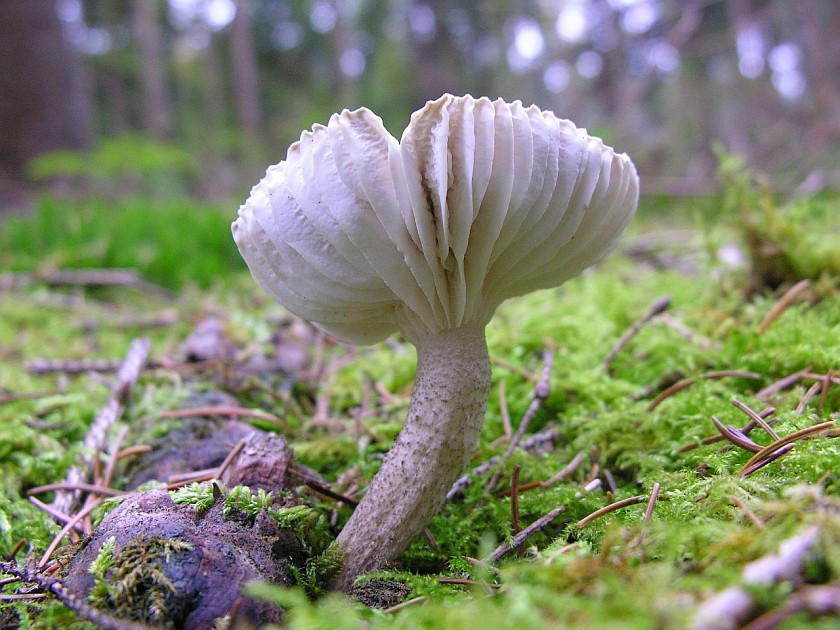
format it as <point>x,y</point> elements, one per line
<point>199,579</point>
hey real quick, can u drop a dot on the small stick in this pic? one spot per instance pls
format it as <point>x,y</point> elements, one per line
<point>750,514</point>
<point>520,538</point>
<point>15,396</point>
<point>320,488</point>
<point>87,487</point>
<point>112,459</point>
<point>234,452</point>
<point>655,309</point>
<point>466,582</point>
<point>22,597</point>
<point>784,302</point>
<point>735,436</point>
<point>136,449</point>
<point>193,475</point>
<point>755,417</point>
<point>766,413</point>
<point>783,383</point>
<point>504,411</point>
<point>592,485</point>
<point>832,375</point>
<point>514,498</point>
<point>221,411</point>
<point>571,467</point>
<point>522,488</point>
<point>826,384</point>
<point>533,443</point>
<point>609,508</point>
<point>430,539</point>
<point>541,391</point>
<point>654,495</point>
<point>11,555</point>
<point>422,599</point>
<point>79,606</point>
<point>748,470</point>
<point>670,391</point>
<point>64,530</point>
<point>803,402</point>
<point>788,439</point>
<point>94,442</point>
<point>610,481</point>
<point>687,382</point>
<point>478,564</point>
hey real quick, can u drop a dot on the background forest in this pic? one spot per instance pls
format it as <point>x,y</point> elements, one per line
<point>197,96</point>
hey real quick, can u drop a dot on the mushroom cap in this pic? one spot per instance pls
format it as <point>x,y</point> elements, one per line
<point>478,202</point>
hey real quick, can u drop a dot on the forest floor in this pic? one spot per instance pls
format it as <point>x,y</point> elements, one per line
<point>681,471</point>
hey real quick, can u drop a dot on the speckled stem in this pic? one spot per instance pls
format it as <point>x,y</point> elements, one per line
<point>440,434</point>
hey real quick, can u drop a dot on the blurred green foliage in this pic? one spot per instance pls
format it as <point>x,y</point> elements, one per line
<point>172,243</point>
<point>126,164</point>
<point>787,240</point>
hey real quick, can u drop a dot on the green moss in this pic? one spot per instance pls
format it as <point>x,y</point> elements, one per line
<point>246,501</point>
<point>702,531</point>
<point>131,581</point>
<point>201,496</point>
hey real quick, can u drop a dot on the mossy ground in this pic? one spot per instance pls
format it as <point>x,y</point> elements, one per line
<point>619,571</point>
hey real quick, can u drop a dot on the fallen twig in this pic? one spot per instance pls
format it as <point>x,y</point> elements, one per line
<point>567,470</point>
<point>514,498</point>
<point>735,436</point>
<point>818,600</point>
<point>766,413</point>
<point>731,607</point>
<point>687,382</point>
<point>323,489</point>
<point>80,607</point>
<point>422,599</point>
<point>750,514</point>
<point>654,495</point>
<point>519,539</point>
<point>534,443</point>
<point>784,302</point>
<point>806,398</point>
<point>775,446</point>
<point>9,397</point>
<point>658,307</point>
<point>782,383</point>
<point>70,524</point>
<point>756,417</point>
<point>541,391</point>
<point>86,487</point>
<point>94,442</point>
<point>222,410</point>
<point>612,507</point>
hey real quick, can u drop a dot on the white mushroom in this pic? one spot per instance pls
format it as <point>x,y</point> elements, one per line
<point>478,202</point>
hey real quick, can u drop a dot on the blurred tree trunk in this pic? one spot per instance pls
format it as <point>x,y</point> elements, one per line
<point>438,66</point>
<point>821,28</point>
<point>245,74</point>
<point>44,106</point>
<point>157,113</point>
<point>215,181</point>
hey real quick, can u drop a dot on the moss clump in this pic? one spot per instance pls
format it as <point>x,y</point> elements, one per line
<point>132,582</point>
<point>201,496</point>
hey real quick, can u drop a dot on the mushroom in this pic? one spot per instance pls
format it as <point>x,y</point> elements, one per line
<point>365,236</point>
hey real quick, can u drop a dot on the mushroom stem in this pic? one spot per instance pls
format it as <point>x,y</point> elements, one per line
<point>440,434</point>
